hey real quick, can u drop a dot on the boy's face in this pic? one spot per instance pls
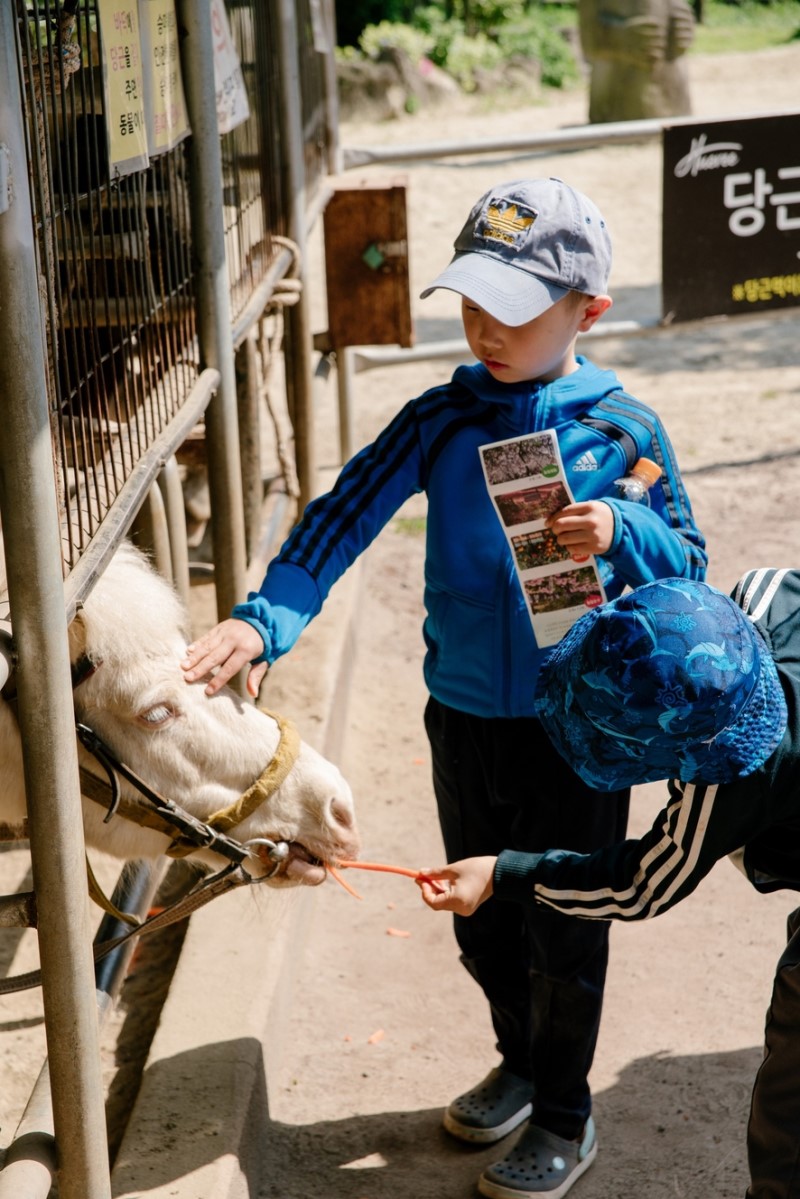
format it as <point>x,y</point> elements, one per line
<point>544,348</point>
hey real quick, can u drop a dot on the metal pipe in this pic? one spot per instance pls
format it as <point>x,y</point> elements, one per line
<point>299,370</point>
<point>36,594</point>
<point>579,137</point>
<point>364,358</point>
<point>6,653</point>
<point>328,18</point>
<point>134,893</point>
<point>260,297</point>
<point>169,485</point>
<point>149,531</point>
<point>213,304</point>
<point>250,440</point>
<point>31,1160</point>
<point>19,910</point>
<point>347,364</point>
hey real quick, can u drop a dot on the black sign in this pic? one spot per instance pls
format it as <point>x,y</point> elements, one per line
<point>731,217</point>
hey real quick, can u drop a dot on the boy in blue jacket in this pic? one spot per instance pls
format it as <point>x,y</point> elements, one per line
<point>677,681</point>
<point>531,267</point>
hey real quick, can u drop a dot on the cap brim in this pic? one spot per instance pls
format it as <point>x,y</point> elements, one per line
<point>510,295</point>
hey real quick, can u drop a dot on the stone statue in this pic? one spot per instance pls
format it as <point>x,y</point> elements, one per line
<point>635,51</point>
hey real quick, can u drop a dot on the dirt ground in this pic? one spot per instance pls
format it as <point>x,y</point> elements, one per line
<point>387,1026</point>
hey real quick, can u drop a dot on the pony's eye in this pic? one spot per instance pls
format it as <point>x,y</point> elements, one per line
<point>157,716</point>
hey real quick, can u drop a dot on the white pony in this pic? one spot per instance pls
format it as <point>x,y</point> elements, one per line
<point>201,752</point>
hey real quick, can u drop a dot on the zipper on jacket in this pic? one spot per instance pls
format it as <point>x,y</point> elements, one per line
<point>536,409</point>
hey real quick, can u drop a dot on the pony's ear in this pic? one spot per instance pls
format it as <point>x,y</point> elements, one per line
<point>77,637</point>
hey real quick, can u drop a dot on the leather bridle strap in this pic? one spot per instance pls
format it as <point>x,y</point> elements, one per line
<point>268,782</point>
<point>229,878</point>
<point>186,829</point>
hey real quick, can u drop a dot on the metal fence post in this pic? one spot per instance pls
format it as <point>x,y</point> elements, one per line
<point>299,368</point>
<point>36,592</point>
<point>213,304</point>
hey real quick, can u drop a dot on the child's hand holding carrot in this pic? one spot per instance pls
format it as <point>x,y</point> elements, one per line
<point>468,883</point>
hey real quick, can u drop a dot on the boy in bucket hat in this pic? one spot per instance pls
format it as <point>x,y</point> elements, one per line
<point>677,681</point>
<point>531,267</point>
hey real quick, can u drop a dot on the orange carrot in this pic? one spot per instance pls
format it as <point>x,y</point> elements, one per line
<point>379,866</point>
<point>419,875</point>
<point>334,873</point>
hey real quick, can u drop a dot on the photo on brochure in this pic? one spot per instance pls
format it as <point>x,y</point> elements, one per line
<point>527,485</point>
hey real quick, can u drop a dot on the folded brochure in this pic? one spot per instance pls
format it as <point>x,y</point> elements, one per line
<point>527,484</point>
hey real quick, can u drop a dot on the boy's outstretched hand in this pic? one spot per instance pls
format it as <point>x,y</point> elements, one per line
<point>585,528</point>
<point>465,885</point>
<point>228,646</point>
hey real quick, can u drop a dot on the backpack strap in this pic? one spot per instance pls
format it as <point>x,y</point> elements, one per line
<point>614,431</point>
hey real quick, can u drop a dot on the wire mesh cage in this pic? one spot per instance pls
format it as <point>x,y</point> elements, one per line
<point>115,270</point>
<point>114,248</point>
<point>254,202</point>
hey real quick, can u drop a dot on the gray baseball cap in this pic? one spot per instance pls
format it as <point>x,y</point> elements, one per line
<point>525,246</point>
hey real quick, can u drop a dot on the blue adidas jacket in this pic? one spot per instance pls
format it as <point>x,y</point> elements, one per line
<point>482,656</point>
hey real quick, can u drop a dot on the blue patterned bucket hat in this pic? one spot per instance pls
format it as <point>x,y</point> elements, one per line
<point>669,681</point>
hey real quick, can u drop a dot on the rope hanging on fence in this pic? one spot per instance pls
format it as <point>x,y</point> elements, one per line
<point>288,289</point>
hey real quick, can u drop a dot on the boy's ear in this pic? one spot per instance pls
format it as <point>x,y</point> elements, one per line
<point>592,310</point>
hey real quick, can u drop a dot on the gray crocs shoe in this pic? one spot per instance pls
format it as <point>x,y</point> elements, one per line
<point>490,1110</point>
<point>540,1166</point>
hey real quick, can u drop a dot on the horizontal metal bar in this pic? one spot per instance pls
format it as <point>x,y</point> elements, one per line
<point>367,357</point>
<point>579,137</point>
<point>260,297</point>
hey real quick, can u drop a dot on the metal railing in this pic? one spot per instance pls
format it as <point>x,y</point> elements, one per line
<point>115,273</point>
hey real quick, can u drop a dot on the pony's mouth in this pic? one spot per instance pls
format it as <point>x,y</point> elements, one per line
<point>299,865</point>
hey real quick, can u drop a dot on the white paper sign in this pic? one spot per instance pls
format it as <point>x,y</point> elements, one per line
<point>232,105</point>
<point>165,105</point>
<point>123,85</point>
<point>526,481</point>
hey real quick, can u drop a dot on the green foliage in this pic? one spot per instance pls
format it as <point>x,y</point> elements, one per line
<point>375,38</point>
<point>746,26</point>
<point>440,32</point>
<point>500,30</point>
<point>352,16</point>
<point>488,16</point>
<point>543,40</point>
<point>467,53</point>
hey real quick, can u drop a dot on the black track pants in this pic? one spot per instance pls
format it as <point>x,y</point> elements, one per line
<point>773,1133</point>
<point>499,784</point>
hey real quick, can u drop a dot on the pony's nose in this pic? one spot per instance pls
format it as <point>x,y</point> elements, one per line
<point>342,814</point>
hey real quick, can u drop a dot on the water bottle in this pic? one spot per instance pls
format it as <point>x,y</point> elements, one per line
<point>635,486</point>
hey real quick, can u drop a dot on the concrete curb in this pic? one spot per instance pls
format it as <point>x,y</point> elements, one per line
<point>198,1122</point>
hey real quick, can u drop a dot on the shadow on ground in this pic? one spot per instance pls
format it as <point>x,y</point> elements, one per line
<point>407,1155</point>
